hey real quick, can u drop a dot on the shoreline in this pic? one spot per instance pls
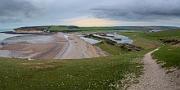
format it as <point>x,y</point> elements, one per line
<point>48,46</point>
<point>13,32</point>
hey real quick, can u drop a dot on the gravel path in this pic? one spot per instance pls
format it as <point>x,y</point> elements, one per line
<point>154,77</point>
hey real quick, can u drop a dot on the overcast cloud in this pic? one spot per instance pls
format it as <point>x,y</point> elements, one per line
<point>140,10</point>
<point>15,10</point>
<point>126,12</point>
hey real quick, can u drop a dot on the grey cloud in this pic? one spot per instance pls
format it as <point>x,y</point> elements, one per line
<point>15,10</point>
<point>140,10</point>
<point>32,12</point>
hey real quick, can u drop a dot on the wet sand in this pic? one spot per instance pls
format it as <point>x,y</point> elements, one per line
<point>35,46</point>
<point>53,46</point>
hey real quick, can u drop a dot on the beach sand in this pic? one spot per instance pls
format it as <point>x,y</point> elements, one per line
<point>53,46</point>
<point>79,49</point>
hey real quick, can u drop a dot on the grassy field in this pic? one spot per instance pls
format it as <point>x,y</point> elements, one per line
<point>63,28</point>
<point>168,54</point>
<point>106,73</point>
<point>169,34</point>
<point>80,29</point>
<point>112,49</point>
<point>140,39</point>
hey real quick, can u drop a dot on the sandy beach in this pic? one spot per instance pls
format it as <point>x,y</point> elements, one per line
<point>53,46</point>
<point>78,49</point>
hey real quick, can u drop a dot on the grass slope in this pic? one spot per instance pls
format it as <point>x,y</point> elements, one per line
<point>142,40</point>
<point>169,34</point>
<point>168,54</point>
<point>106,73</point>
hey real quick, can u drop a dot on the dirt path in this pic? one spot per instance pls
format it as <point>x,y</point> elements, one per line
<point>154,77</point>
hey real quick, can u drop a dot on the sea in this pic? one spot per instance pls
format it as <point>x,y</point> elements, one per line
<point>4,35</point>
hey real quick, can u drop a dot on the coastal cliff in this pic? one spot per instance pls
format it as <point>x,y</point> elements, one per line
<point>45,29</point>
<point>33,29</point>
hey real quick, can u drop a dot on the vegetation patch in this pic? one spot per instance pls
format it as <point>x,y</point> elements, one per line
<point>171,41</point>
<point>117,71</point>
<point>141,40</point>
<point>111,49</point>
<point>105,73</point>
<point>169,34</point>
<point>169,55</point>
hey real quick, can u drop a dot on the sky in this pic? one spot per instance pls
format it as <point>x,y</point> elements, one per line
<point>15,13</point>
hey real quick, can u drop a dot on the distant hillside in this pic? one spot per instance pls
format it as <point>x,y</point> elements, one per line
<point>32,29</point>
<point>63,28</point>
<point>146,27</point>
<point>41,29</point>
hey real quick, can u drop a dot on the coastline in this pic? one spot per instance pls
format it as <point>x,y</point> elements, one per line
<point>48,46</point>
<point>13,32</point>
